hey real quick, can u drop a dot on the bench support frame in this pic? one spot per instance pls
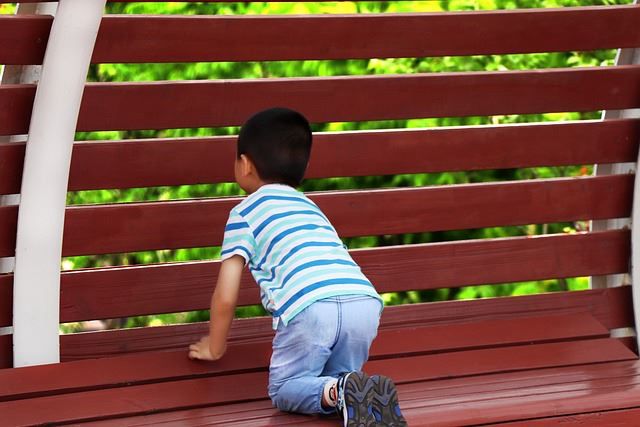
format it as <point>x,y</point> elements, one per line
<point>36,305</point>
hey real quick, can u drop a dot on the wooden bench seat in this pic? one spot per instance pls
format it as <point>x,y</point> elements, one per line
<point>434,384</point>
<point>540,397</point>
<point>563,358</point>
<point>427,356</point>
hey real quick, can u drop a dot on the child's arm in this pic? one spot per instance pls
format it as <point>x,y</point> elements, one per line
<point>223,305</point>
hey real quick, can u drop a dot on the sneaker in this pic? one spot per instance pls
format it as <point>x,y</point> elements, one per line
<point>383,403</point>
<point>354,394</point>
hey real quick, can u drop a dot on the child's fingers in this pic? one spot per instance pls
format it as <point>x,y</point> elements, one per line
<point>194,351</point>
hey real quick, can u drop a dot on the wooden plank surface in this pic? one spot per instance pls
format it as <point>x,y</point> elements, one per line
<point>502,359</point>
<point>164,39</point>
<point>6,351</point>
<point>160,105</point>
<point>611,307</point>
<point>6,299</point>
<point>605,395</point>
<point>184,394</point>
<point>611,418</point>
<point>16,102</point>
<point>23,39</point>
<point>11,162</point>
<point>200,223</point>
<point>145,163</point>
<point>255,354</point>
<point>8,228</point>
<point>105,293</point>
<point>542,383</point>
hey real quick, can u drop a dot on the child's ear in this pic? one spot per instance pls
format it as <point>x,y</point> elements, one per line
<point>246,166</point>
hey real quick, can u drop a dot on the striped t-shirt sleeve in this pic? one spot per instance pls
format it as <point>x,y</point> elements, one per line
<point>238,238</point>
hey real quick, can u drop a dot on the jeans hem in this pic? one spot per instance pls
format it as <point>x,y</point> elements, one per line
<point>320,409</point>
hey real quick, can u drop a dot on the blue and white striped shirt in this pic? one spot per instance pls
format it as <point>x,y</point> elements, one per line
<point>293,251</point>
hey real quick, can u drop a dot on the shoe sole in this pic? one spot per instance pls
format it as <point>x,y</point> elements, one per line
<point>358,390</point>
<point>384,403</point>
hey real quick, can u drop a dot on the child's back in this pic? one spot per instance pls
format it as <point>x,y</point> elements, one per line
<point>293,251</point>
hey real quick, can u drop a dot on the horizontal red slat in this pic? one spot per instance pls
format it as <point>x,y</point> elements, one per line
<point>161,105</point>
<point>160,225</point>
<point>619,417</point>
<point>241,387</point>
<point>163,39</point>
<point>117,371</point>
<point>176,162</point>
<point>145,163</point>
<point>612,307</point>
<point>16,102</point>
<point>130,291</point>
<point>264,38</point>
<point>8,227</point>
<point>6,351</point>
<point>485,334</point>
<point>23,39</point>
<point>501,359</point>
<point>592,395</point>
<point>6,299</point>
<point>11,162</point>
<point>194,223</point>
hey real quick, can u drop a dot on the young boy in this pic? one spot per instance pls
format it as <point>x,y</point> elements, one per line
<point>325,311</point>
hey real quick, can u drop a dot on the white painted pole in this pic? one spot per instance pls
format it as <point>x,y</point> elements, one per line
<point>21,74</point>
<point>635,254</point>
<point>36,305</point>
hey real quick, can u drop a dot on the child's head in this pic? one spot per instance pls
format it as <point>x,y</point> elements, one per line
<point>275,145</point>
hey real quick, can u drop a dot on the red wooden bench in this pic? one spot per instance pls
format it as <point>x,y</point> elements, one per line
<point>556,358</point>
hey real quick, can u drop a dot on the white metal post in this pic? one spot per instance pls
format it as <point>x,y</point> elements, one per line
<point>36,305</point>
<point>635,254</point>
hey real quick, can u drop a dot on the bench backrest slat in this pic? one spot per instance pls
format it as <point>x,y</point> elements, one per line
<point>186,224</point>
<point>269,38</point>
<point>611,307</point>
<point>23,39</point>
<point>130,291</point>
<point>124,39</point>
<point>147,163</point>
<point>162,105</point>
<point>119,106</point>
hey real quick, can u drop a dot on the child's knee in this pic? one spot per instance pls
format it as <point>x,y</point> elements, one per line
<point>279,401</point>
<point>273,395</point>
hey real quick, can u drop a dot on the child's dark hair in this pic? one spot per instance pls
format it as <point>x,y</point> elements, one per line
<point>278,141</point>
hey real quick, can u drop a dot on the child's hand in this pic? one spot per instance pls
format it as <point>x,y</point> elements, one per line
<point>201,350</point>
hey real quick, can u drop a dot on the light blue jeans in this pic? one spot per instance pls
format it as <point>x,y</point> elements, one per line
<point>330,337</point>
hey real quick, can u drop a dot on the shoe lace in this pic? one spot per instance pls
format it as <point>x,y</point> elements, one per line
<point>340,392</point>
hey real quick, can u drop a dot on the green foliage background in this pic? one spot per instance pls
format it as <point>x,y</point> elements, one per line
<point>228,70</point>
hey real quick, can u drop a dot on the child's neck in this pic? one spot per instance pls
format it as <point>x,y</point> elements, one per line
<point>253,187</point>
